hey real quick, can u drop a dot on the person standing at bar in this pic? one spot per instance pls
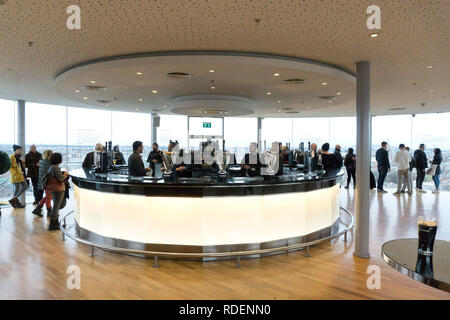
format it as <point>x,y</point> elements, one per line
<point>44,164</point>
<point>420,161</point>
<point>154,157</point>
<point>382,157</point>
<point>32,159</point>
<point>251,163</point>
<point>135,164</point>
<point>93,157</point>
<point>17,176</point>
<point>118,156</point>
<point>57,187</point>
<point>314,157</point>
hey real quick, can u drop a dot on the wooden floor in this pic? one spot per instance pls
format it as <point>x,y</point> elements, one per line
<point>33,263</point>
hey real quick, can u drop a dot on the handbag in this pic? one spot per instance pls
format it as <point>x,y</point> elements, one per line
<point>50,183</point>
<point>432,170</point>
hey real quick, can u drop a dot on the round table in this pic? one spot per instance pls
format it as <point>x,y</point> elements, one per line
<point>402,255</point>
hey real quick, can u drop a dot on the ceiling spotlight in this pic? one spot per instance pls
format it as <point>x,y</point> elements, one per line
<point>276,74</point>
<point>85,98</point>
<point>77,91</point>
<point>92,81</point>
<point>374,35</point>
<point>137,109</point>
<point>309,108</point>
<point>154,91</point>
<point>324,83</point>
<point>164,106</point>
<point>212,70</point>
<point>429,67</point>
<point>431,91</point>
<point>140,99</point>
<point>139,73</point>
<point>339,93</point>
<point>269,93</point>
<point>212,86</point>
<point>279,101</point>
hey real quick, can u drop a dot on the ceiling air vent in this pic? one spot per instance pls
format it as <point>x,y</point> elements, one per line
<point>294,81</point>
<point>178,75</point>
<point>292,112</point>
<point>397,108</point>
<point>156,110</point>
<point>327,98</point>
<point>215,112</point>
<point>104,101</point>
<point>94,88</point>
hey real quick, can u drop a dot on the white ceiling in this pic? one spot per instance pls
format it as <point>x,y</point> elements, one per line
<point>414,34</point>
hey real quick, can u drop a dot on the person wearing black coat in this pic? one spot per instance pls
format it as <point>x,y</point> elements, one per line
<point>437,160</point>
<point>338,155</point>
<point>154,157</point>
<point>92,157</point>
<point>135,164</point>
<point>32,159</point>
<point>118,156</point>
<point>329,160</point>
<point>420,161</point>
<point>350,166</point>
<point>382,157</point>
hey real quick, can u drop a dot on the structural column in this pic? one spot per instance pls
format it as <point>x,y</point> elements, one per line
<point>20,138</point>
<point>259,139</point>
<point>363,143</point>
<point>155,124</point>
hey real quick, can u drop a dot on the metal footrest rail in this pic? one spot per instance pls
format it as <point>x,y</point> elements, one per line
<point>237,254</point>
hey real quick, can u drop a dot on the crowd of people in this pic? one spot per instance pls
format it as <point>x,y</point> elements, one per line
<point>406,163</point>
<point>50,184</point>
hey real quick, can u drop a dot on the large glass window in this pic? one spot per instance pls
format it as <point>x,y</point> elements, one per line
<point>276,129</point>
<point>46,128</point>
<point>239,133</point>
<point>7,125</point>
<point>85,128</point>
<point>128,127</point>
<point>314,130</point>
<point>172,127</point>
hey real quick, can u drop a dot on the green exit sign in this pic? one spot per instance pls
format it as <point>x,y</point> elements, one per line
<point>206,124</point>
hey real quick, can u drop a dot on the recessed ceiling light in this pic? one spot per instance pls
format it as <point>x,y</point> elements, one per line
<point>140,99</point>
<point>276,74</point>
<point>212,87</point>
<point>269,93</point>
<point>137,109</point>
<point>77,91</point>
<point>431,91</point>
<point>85,98</point>
<point>309,108</point>
<point>92,81</point>
<point>164,106</point>
<point>279,101</point>
<point>154,91</point>
<point>139,73</point>
<point>212,70</point>
<point>429,67</point>
<point>324,83</point>
<point>339,93</point>
<point>374,35</point>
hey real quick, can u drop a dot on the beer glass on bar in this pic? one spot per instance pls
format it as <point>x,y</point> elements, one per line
<point>427,233</point>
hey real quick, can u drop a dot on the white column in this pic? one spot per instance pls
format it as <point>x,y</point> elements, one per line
<point>20,134</point>
<point>363,132</point>
<point>155,124</point>
<point>258,134</point>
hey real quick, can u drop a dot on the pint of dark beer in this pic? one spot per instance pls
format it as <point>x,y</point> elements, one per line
<point>427,234</point>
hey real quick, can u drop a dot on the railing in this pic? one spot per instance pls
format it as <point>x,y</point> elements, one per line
<point>236,254</point>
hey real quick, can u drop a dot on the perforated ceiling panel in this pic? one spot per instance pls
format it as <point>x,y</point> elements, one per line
<point>414,35</point>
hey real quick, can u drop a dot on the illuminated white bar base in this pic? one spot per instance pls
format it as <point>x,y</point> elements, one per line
<point>206,221</point>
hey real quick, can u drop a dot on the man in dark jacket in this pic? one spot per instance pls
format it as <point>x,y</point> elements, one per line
<point>32,159</point>
<point>154,157</point>
<point>135,164</point>
<point>93,157</point>
<point>382,157</point>
<point>338,155</point>
<point>420,161</point>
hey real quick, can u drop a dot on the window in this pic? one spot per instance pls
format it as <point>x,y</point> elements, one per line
<point>172,127</point>
<point>128,127</point>
<point>85,128</point>
<point>314,130</point>
<point>276,129</point>
<point>239,133</point>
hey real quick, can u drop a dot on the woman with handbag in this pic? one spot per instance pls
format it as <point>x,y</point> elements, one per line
<point>17,176</point>
<point>55,184</point>
<point>437,159</point>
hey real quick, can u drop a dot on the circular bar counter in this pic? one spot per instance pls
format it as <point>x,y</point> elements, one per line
<point>209,214</point>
